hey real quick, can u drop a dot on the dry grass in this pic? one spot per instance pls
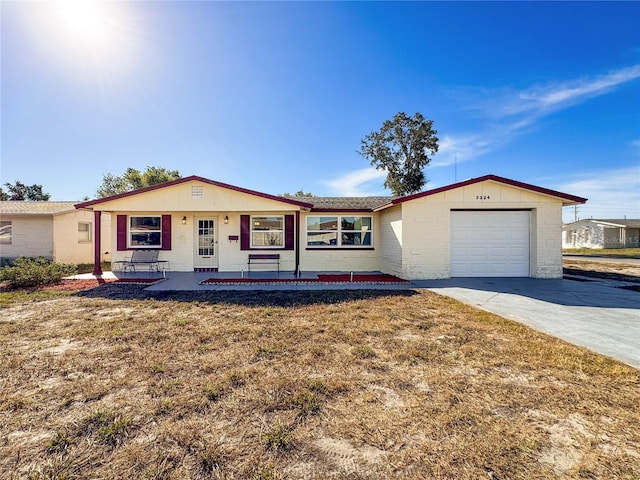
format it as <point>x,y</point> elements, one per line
<point>110,384</point>
<point>612,252</point>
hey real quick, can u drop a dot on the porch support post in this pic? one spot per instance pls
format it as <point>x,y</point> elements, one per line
<point>97,247</point>
<point>297,243</point>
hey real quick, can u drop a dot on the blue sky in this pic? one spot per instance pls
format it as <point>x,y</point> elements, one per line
<point>277,96</point>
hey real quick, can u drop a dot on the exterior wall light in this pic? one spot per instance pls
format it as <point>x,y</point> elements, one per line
<point>226,219</point>
<point>184,220</point>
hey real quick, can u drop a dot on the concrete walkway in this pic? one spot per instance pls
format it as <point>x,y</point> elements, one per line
<point>594,314</point>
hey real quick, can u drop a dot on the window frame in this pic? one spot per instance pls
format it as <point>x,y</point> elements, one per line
<point>339,231</point>
<point>131,231</point>
<point>89,232</point>
<point>9,239</point>
<point>281,231</point>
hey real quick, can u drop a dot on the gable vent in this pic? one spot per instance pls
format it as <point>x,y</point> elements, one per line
<point>197,191</point>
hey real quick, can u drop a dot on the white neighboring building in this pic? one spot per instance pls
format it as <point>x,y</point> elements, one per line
<point>596,233</point>
<point>54,230</point>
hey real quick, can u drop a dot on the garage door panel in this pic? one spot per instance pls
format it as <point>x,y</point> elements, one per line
<point>490,244</point>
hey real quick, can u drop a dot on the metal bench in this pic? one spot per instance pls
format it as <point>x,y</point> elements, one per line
<point>264,259</point>
<point>148,258</point>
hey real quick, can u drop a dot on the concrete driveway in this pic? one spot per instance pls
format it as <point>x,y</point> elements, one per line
<point>595,314</point>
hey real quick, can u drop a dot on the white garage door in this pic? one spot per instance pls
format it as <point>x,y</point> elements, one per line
<point>490,244</point>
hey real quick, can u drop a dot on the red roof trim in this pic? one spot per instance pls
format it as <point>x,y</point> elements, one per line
<point>495,178</point>
<point>193,178</point>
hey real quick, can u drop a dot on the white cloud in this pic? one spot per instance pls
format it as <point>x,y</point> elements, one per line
<point>553,96</point>
<point>508,113</point>
<point>454,149</point>
<point>611,193</point>
<point>357,183</point>
<point>540,100</point>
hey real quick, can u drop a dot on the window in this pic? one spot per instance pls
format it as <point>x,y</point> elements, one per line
<point>145,232</point>
<point>267,231</point>
<point>5,232</point>
<point>322,231</point>
<point>84,232</point>
<point>339,231</point>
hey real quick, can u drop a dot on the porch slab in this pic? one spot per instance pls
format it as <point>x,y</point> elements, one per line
<point>192,281</point>
<point>285,280</point>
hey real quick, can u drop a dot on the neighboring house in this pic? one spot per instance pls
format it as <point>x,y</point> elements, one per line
<point>487,226</point>
<point>593,233</point>
<point>55,230</point>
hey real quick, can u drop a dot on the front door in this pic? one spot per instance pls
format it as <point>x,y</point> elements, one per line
<point>206,244</point>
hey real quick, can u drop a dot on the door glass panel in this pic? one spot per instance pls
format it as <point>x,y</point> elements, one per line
<point>206,238</point>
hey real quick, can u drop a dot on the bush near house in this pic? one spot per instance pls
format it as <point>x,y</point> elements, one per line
<point>32,272</point>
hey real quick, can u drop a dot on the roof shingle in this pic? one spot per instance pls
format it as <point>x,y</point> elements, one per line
<point>346,203</point>
<point>13,207</point>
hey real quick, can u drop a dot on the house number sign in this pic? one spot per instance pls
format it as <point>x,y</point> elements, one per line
<point>483,197</point>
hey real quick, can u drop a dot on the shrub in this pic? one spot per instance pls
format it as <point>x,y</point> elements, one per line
<point>33,272</point>
<point>6,261</point>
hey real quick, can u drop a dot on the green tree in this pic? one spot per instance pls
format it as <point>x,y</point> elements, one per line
<point>20,191</point>
<point>402,148</point>
<point>133,179</point>
<point>299,193</point>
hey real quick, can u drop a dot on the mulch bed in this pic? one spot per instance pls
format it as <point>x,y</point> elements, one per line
<point>322,278</point>
<point>361,277</point>
<point>215,281</point>
<point>70,285</point>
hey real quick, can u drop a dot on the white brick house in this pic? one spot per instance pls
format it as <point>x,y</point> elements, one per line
<point>603,233</point>
<point>54,230</point>
<point>487,226</point>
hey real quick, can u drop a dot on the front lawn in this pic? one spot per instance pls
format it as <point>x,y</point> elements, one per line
<point>114,383</point>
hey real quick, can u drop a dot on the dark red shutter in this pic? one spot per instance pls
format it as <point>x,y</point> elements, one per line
<point>289,232</point>
<point>245,232</point>
<point>166,232</point>
<point>121,233</point>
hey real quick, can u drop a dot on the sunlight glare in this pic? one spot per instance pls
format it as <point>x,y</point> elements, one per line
<point>82,18</point>
<point>84,21</point>
<point>90,38</point>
